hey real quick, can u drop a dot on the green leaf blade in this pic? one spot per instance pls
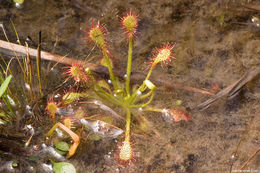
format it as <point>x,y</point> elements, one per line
<point>4,85</point>
<point>63,167</point>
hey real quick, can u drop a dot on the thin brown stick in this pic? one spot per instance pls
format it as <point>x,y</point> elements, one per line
<point>252,7</point>
<point>232,89</point>
<point>38,62</point>
<point>247,128</point>
<point>250,158</point>
<point>44,55</point>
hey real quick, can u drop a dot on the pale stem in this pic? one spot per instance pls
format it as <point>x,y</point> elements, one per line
<point>129,65</point>
<point>142,87</point>
<point>109,66</point>
<point>127,127</point>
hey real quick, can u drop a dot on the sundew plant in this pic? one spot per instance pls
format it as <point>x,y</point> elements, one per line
<point>113,91</point>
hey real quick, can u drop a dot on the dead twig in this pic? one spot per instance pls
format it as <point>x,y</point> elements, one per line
<point>250,158</point>
<point>245,133</point>
<point>232,89</point>
<point>251,7</point>
<point>45,55</point>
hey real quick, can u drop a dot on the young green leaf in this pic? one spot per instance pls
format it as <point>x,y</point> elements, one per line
<point>63,167</point>
<point>62,148</point>
<point>4,85</point>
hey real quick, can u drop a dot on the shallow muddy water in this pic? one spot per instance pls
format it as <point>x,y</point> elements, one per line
<point>217,42</point>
